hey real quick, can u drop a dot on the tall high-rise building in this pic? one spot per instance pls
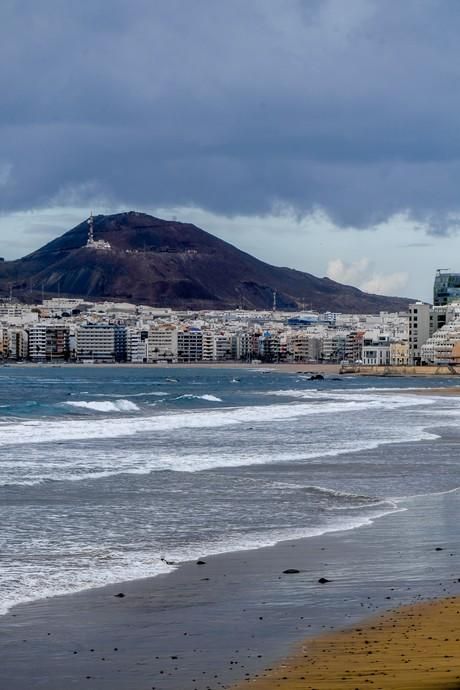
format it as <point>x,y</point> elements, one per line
<point>424,320</point>
<point>446,287</point>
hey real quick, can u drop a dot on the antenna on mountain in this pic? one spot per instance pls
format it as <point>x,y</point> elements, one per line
<point>274,300</point>
<point>91,229</point>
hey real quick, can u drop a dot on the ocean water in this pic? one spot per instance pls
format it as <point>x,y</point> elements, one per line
<point>105,471</point>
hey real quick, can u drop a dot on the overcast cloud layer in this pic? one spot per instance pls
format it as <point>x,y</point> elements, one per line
<point>274,123</point>
<point>236,107</point>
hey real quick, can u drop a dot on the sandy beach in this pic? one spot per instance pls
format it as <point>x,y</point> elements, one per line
<point>279,367</point>
<point>413,647</point>
<point>227,621</point>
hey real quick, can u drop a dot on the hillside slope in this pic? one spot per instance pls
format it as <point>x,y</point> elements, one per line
<point>166,263</point>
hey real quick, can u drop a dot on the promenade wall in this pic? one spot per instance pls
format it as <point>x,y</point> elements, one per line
<point>371,370</point>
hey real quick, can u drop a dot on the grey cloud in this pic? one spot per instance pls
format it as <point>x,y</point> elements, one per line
<point>416,245</point>
<point>233,107</point>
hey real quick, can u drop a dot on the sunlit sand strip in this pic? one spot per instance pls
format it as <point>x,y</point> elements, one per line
<point>454,390</point>
<point>411,648</point>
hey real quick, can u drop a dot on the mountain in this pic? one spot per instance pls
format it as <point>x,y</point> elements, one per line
<point>166,263</point>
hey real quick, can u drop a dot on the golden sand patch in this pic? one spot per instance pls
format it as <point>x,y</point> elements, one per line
<point>453,390</point>
<point>411,648</point>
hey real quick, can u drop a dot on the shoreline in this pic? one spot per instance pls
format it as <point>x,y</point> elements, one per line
<point>290,368</point>
<point>214,625</point>
<point>302,368</point>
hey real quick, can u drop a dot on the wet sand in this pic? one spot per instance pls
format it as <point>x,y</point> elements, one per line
<point>210,626</point>
<point>411,648</point>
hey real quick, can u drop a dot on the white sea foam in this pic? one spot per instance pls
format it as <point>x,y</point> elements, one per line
<point>131,395</point>
<point>33,584</point>
<point>401,499</point>
<point>106,567</point>
<point>209,398</point>
<point>352,501</point>
<point>104,405</point>
<point>99,464</point>
<point>51,430</point>
<point>359,394</point>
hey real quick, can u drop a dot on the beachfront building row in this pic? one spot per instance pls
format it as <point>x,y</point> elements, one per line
<point>65,329</point>
<point>102,342</point>
<point>110,343</point>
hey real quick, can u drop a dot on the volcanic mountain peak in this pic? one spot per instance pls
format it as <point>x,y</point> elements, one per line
<point>128,230</point>
<point>167,263</point>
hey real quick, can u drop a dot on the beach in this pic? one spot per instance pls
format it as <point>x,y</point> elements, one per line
<point>149,519</point>
<point>280,367</point>
<point>217,624</point>
<point>413,647</point>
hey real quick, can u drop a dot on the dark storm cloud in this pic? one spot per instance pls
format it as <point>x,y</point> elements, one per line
<point>233,106</point>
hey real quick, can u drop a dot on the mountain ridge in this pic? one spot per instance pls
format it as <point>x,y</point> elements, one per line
<point>169,263</point>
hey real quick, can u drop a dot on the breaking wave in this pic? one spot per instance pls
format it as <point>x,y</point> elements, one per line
<point>191,396</point>
<point>104,405</point>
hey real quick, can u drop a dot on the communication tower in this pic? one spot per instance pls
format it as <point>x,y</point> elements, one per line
<point>90,230</point>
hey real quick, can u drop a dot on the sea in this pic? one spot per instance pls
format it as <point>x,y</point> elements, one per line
<point>110,474</point>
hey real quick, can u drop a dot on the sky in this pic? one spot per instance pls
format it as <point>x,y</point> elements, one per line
<point>323,135</point>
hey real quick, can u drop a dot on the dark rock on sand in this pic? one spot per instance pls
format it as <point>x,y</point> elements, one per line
<point>323,580</point>
<point>291,571</point>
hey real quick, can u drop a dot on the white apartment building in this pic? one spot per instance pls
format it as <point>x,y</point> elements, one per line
<point>303,347</point>
<point>162,344</point>
<point>208,346</point>
<point>439,348</point>
<point>14,312</point>
<point>190,346</point>
<point>333,346</point>
<point>419,329</point>
<point>376,350</point>
<point>48,342</point>
<point>4,335</point>
<point>59,304</point>
<point>37,343</point>
<point>95,342</point>
<point>424,320</point>
<point>17,344</point>
<point>136,346</point>
<point>222,347</point>
<point>242,346</point>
